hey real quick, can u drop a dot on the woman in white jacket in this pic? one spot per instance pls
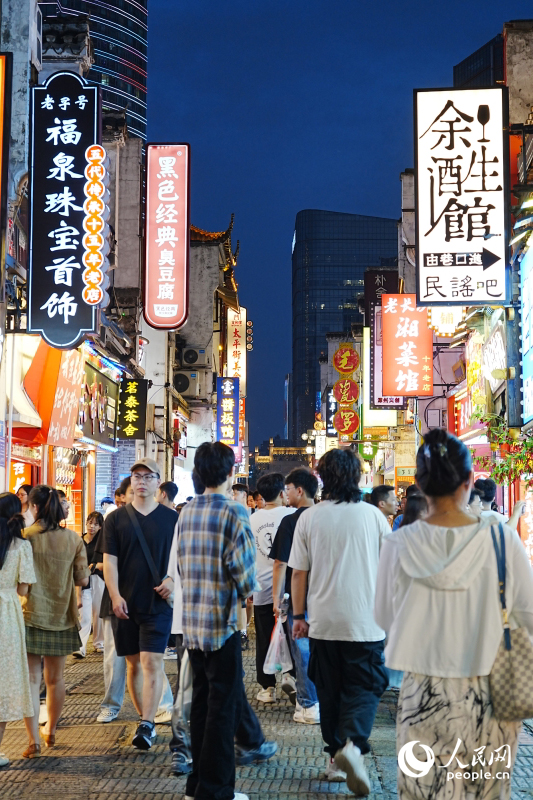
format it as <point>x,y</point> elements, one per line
<point>437,598</point>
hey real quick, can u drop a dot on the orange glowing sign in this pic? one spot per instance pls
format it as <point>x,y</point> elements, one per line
<point>346,360</point>
<point>407,347</point>
<point>166,280</point>
<point>346,392</point>
<point>346,421</point>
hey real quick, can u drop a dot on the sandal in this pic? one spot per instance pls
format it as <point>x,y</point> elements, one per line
<point>32,751</point>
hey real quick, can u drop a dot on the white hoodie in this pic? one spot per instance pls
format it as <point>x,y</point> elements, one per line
<point>437,597</point>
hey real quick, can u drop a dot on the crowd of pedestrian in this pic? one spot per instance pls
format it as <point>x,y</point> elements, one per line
<point>362,596</point>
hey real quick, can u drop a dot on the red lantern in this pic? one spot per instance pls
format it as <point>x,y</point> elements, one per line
<point>346,421</point>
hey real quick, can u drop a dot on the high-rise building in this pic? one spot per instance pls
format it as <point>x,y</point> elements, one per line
<point>119,32</point>
<point>331,251</point>
<point>483,68</point>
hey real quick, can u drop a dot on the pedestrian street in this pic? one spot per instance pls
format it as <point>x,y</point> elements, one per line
<point>93,760</point>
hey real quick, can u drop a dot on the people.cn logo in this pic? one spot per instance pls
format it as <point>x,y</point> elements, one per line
<point>410,764</point>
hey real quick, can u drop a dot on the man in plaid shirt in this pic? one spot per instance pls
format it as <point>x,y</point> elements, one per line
<point>216,557</point>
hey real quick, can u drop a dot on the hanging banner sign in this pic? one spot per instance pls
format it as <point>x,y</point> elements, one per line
<point>444,320</point>
<point>6,67</point>
<point>407,347</point>
<point>462,190</point>
<point>67,260</point>
<point>166,268</point>
<point>345,392</point>
<point>346,359</point>
<point>132,409</point>
<point>97,416</point>
<point>377,398</point>
<point>346,421</point>
<point>377,283</point>
<point>66,399</point>
<point>228,411</point>
<point>237,347</point>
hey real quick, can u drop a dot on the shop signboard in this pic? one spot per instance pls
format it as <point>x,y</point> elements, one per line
<point>495,358</point>
<point>237,347</point>
<point>377,283</point>
<point>68,211</point>
<point>407,347</point>
<point>526,301</point>
<point>6,64</point>
<point>66,399</point>
<point>228,411</point>
<point>346,359</point>
<point>377,399</point>
<point>461,195</point>
<point>404,475</point>
<point>20,474</point>
<point>346,421</point>
<point>166,267</point>
<point>132,409</point>
<point>97,416</point>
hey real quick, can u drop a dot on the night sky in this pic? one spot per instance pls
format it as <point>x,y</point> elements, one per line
<point>294,104</point>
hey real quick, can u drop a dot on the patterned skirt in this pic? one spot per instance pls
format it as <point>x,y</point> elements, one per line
<point>450,720</point>
<point>52,643</point>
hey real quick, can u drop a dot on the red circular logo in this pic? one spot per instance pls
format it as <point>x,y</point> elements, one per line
<point>346,392</point>
<point>346,421</point>
<point>346,360</point>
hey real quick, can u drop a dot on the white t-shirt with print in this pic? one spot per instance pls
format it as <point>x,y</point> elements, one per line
<point>264,524</point>
<point>339,545</point>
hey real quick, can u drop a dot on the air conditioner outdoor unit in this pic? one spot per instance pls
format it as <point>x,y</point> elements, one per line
<point>193,357</point>
<point>193,384</point>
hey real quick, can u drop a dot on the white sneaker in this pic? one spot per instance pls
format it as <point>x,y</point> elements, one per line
<point>332,773</point>
<point>240,796</point>
<point>288,685</point>
<point>350,760</point>
<point>79,654</point>
<point>107,715</point>
<point>4,760</point>
<point>163,718</point>
<point>43,714</point>
<point>267,695</point>
<point>309,716</point>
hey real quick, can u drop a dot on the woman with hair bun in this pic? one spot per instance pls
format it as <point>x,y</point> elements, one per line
<point>438,599</point>
<point>51,609</point>
<point>16,575</point>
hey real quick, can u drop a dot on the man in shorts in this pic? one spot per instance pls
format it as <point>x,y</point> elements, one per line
<point>142,617</point>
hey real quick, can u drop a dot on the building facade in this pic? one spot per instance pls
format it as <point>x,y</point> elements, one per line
<point>119,33</point>
<point>331,251</point>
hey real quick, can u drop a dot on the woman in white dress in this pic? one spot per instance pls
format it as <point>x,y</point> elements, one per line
<point>437,597</point>
<point>16,575</point>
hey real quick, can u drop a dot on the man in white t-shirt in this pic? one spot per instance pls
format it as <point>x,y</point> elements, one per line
<point>334,557</point>
<point>264,524</point>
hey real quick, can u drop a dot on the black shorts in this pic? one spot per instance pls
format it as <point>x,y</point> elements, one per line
<point>147,633</point>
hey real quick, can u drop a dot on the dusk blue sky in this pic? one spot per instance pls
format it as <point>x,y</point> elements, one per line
<point>294,104</point>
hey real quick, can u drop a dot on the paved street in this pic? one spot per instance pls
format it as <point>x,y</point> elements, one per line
<point>93,760</point>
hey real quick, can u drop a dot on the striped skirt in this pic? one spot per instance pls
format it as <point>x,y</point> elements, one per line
<point>452,718</point>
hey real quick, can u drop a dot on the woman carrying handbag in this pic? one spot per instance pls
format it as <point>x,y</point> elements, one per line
<point>439,599</point>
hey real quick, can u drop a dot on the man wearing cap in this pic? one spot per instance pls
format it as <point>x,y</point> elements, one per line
<point>142,616</point>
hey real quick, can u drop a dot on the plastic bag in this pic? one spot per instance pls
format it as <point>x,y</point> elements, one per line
<point>278,658</point>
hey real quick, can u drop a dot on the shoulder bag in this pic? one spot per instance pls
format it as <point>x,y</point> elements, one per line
<point>511,688</point>
<point>146,550</point>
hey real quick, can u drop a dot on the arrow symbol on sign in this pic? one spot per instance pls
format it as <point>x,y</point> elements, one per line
<point>488,259</point>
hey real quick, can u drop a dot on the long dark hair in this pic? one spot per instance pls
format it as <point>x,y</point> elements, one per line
<point>443,463</point>
<point>11,522</point>
<point>415,506</point>
<point>340,471</point>
<point>49,510</point>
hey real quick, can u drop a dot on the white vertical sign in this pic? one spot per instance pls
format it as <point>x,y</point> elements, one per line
<point>236,344</point>
<point>462,195</point>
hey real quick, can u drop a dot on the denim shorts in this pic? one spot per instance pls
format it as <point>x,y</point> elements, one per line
<point>142,633</point>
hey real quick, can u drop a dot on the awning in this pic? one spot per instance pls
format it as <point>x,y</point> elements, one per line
<point>24,347</point>
<point>229,296</point>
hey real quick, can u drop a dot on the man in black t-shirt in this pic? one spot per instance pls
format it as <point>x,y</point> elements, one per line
<point>300,487</point>
<point>142,617</point>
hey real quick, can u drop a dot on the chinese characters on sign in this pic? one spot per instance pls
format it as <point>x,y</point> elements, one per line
<point>67,265</point>
<point>345,391</point>
<point>20,475</point>
<point>228,411</point>
<point>346,360</point>
<point>132,409</point>
<point>66,400</point>
<point>526,301</point>
<point>462,161</point>
<point>377,283</point>
<point>237,347</point>
<point>166,289</point>
<point>444,320</point>
<point>407,347</point>
<point>377,398</point>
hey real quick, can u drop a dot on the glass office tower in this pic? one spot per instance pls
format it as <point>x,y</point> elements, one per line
<point>119,32</point>
<point>483,68</point>
<point>330,253</point>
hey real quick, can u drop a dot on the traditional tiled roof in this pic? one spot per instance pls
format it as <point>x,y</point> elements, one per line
<point>199,235</point>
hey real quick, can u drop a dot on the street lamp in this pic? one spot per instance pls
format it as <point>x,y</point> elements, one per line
<point>305,437</point>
